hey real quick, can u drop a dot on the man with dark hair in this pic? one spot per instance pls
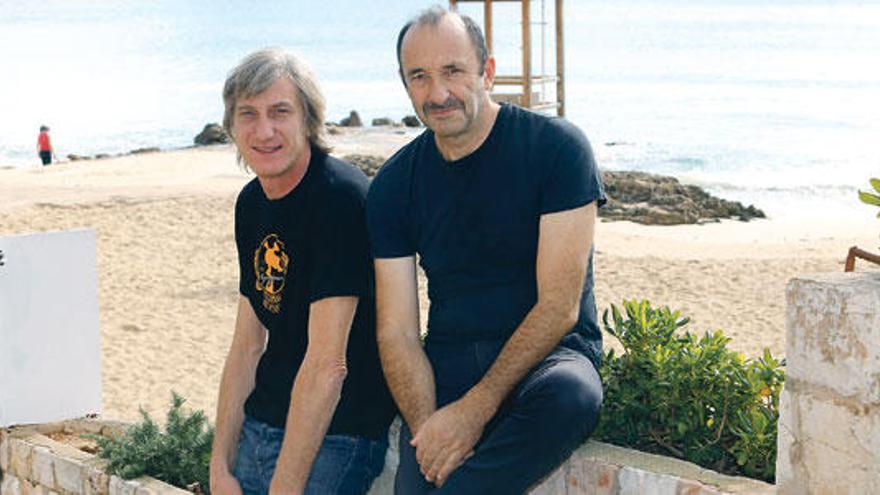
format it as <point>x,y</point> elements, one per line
<point>500,204</point>
<point>303,406</point>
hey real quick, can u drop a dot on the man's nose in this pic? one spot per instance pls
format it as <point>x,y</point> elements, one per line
<point>438,91</point>
<point>264,128</point>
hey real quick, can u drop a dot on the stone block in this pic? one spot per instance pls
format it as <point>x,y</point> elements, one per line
<point>833,327</point>
<point>69,474</point>
<point>10,485</point>
<point>592,476</point>
<point>95,480</point>
<point>19,457</point>
<point>43,467</point>
<point>119,486</point>
<point>821,459</point>
<point>634,481</point>
<point>4,450</point>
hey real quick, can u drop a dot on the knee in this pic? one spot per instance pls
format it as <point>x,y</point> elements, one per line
<point>572,395</point>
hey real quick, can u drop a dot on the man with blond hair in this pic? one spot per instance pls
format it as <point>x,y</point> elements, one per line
<point>303,406</point>
<point>499,203</point>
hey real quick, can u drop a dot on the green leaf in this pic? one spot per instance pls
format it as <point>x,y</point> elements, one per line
<point>869,198</point>
<point>875,183</point>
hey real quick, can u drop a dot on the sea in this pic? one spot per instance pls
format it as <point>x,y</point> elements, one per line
<point>774,103</point>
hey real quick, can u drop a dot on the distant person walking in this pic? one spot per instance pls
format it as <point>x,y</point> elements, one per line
<point>44,146</point>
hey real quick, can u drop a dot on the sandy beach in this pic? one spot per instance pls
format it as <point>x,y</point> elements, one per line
<point>168,274</point>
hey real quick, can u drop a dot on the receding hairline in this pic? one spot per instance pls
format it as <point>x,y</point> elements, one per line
<point>433,17</point>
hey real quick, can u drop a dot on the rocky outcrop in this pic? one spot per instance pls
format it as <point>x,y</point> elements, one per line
<point>369,164</point>
<point>660,200</point>
<point>212,134</point>
<point>638,197</point>
<point>353,120</point>
<point>411,121</point>
<point>382,121</point>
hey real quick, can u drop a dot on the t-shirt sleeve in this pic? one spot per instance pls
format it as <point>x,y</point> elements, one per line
<point>340,249</point>
<point>572,178</point>
<point>388,216</point>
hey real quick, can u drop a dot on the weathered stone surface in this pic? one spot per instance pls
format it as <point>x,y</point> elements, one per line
<point>659,200</point>
<point>69,474</point>
<point>4,450</point>
<point>369,164</point>
<point>95,480</point>
<point>634,481</point>
<point>353,120</point>
<point>592,476</point>
<point>10,485</point>
<point>829,426</point>
<point>43,467</point>
<point>119,486</point>
<point>20,453</point>
<point>411,121</point>
<point>212,134</point>
<point>833,327</point>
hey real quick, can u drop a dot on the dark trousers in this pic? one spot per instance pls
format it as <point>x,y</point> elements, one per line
<point>546,417</point>
<point>46,157</point>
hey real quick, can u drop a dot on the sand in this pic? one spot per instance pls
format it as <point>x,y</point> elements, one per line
<point>167,283</point>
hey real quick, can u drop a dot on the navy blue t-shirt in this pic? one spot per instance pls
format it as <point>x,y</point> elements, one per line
<point>298,249</point>
<point>474,223</point>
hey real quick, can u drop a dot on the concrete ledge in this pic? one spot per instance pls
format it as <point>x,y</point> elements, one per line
<point>31,462</point>
<point>604,469</point>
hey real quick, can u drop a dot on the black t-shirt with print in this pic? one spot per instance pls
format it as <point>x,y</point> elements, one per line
<point>474,223</point>
<point>309,245</point>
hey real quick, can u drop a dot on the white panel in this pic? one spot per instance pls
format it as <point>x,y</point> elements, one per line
<point>50,352</point>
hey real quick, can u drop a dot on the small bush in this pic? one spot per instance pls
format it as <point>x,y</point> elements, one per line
<point>179,456</point>
<point>675,394</point>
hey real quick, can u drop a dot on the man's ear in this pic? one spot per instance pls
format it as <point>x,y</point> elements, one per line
<point>489,74</point>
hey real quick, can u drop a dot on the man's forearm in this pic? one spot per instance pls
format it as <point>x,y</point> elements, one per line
<point>235,386</point>
<point>410,379</point>
<point>538,334</point>
<point>314,398</point>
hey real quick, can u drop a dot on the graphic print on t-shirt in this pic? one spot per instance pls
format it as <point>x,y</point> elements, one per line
<point>270,267</point>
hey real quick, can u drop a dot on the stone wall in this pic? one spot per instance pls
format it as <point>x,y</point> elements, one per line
<point>829,427</point>
<point>31,462</point>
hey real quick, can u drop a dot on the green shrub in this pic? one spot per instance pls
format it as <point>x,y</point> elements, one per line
<point>672,393</point>
<point>179,456</point>
<point>869,198</point>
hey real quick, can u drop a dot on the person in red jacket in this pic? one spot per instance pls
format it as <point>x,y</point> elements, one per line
<point>44,146</point>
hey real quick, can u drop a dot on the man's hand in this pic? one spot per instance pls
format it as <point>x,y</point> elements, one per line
<point>447,438</point>
<point>224,484</point>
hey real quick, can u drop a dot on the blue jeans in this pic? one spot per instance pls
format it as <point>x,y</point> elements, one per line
<point>344,464</point>
<point>548,415</point>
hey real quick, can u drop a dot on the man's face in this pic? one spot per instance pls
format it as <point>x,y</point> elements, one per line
<point>269,130</point>
<point>443,77</point>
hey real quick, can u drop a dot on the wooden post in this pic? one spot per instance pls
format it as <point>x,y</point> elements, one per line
<point>526,55</point>
<point>560,62</point>
<point>487,14</point>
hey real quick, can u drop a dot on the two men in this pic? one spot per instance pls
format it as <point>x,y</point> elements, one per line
<point>499,203</point>
<point>303,406</point>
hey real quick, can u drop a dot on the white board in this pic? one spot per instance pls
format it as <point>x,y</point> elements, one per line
<point>50,351</point>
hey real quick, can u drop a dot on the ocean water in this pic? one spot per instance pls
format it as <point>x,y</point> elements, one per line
<point>775,103</point>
